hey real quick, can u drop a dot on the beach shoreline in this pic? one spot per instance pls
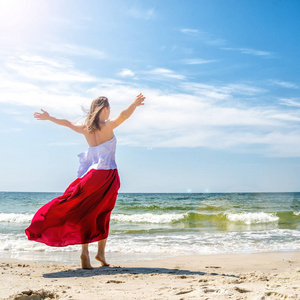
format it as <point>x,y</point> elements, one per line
<point>274,275</point>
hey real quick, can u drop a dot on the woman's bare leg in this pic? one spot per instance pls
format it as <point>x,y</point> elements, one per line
<point>85,258</point>
<point>101,252</point>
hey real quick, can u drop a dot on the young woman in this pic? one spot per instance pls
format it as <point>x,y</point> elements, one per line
<point>82,214</point>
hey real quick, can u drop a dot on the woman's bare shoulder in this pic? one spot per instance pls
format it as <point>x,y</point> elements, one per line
<point>98,137</point>
<point>80,128</point>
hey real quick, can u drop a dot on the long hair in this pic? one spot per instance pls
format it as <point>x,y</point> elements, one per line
<point>92,120</point>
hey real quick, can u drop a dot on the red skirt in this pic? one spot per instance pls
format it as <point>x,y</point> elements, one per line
<point>81,215</point>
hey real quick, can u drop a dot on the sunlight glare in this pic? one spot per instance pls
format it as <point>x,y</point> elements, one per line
<point>17,18</point>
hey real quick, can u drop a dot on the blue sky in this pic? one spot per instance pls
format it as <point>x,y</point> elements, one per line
<point>221,78</point>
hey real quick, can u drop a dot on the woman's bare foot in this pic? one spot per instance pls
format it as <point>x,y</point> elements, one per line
<point>85,262</point>
<point>102,260</point>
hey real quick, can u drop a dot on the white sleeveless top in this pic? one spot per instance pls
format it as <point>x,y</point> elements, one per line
<point>98,157</point>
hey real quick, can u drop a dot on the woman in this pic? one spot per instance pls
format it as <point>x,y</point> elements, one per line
<point>82,214</point>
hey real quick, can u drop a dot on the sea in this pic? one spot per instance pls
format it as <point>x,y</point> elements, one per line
<point>160,225</point>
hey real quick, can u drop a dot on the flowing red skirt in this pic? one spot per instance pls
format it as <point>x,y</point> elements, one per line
<point>81,215</point>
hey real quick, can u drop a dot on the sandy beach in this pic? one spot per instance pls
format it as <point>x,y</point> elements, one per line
<point>230,276</point>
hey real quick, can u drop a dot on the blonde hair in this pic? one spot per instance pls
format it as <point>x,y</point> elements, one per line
<point>92,120</point>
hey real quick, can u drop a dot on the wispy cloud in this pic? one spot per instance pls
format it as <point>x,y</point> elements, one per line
<point>36,81</point>
<point>249,51</point>
<point>204,36</point>
<point>58,98</point>
<point>137,13</point>
<point>45,69</point>
<point>221,92</point>
<point>198,61</point>
<point>71,49</point>
<point>207,116</point>
<point>216,41</point>
<point>189,31</point>
<point>295,102</point>
<point>191,115</point>
<point>284,84</point>
<point>126,73</point>
<point>161,72</point>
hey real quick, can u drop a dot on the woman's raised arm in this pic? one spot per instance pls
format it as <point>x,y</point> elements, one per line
<point>126,113</point>
<point>63,122</point>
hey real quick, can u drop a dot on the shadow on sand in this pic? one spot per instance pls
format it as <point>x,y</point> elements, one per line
<point>126,270</point>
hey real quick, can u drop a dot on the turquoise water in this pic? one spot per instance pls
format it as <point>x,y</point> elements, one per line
<point>147,226</point>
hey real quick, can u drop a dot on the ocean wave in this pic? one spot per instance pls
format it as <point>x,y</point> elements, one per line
<point>252,218</point>
<point>202,218</point>
<point>15,218</point>
<point>179,243</point>
<point>191,217</point>
<point>143,207</point>
<point>147,218</point>
<point>226,219</point>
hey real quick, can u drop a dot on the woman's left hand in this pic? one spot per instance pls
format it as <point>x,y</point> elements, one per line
<point>139,100</point>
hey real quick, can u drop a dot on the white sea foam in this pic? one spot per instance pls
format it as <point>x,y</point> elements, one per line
<point>15,218</point>
<point>147,218</point>
<point>164,244</point>
<point>252,218</point>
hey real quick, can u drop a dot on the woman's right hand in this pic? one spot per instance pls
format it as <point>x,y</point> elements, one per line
<point>139,100</point>
<point>41,116</point>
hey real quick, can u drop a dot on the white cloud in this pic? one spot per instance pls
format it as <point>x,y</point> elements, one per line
<point>141,14</point>
<point>63,100</point>
<point>71,49</point>
<point>215,41</point>
<point>250,51</point>
<point>126,73</point>
<point>243,89</point>
<point>198,61</point>
<point>42,82</point>
<point>38,60</point>
<point>284,84</point>
<point>45,69</point>
<point>190,31</point>
<point>211,92</point>
<point>161,72</point>
<point>194,120</point>
<point>221,92</point>
<point>290,102</point>
<point>204,36</point>
<point>197,115</point>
